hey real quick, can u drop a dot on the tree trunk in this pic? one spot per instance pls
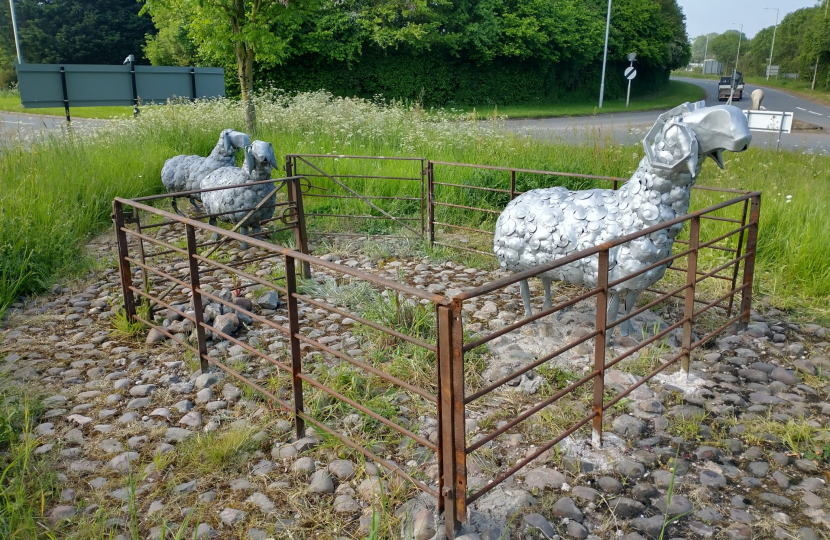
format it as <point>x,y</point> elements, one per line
<point>245,73</point>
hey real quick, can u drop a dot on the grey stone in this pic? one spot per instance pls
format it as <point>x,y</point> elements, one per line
<point>204,395</point>
<point>544,478</point>
<point>345,504</point>
<point>610,485</point>
<point>538,521</point>
<point>231,516</point>
<point>139,403</point>
<point>701,529</point>
<point>122,462</point>
<point>205,532</point>
<point>576,530</point>
<point>630,469</point>
<point>303,465</point>
<point>174,434</point>
<point>566,508</point>
<point>60,513</point>
<point>186,487</point>
<point>142,390</point>
<point>265,505</point>
<point>626,508</point>
<point>712,478</point>
<point>627,426</point>
<point>679,505</point>
<point>776,500</point>
<point>649,526</point>
<point>342,469</point>
<point>738,531</point>
<point>783,375</point>
<point>321,482</point>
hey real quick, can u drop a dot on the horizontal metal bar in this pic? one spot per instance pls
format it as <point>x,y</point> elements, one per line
<point>532,272</point>
<point>156,241</point>
<point>721,299</point>
<point>359,235</point>
<point>308,214</point>
<point>163,304</point>
<point>531,171</point>
<point>522,463</point>
<point>647,342</point>
<point>374,197</point>
<point>657,291</point>
<point>436,203</point>
<point>176,194</point>
<point>247,347</point>
<point>388,465</point>
<point>724,236</point>
<point>365,176</point>
<point>722,248</point>
<point>528,367</point>
<point>683,270</point>
<point>367,322</point>
<point>367,411</point>
<point>649,267</point>
<point>462,228</point>
<point>535,317</point>
<point>471,250</point>
<point>720,189</point>
<point>716,218</point>
<point>648,306</point>
<point>530,412</point>
<point>371,369</point>
<point>156,225</point>
<point>642,381</point>
<point>340,156</point>
<point>242,273</point>
<point>712,334</point>
<point>724,266</point>
<point>463,186</point>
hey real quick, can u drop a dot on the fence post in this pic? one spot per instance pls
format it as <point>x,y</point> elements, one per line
<point>448,447</point>
<point>423,194</point>
<point>738,254</point>
<point>295,199</point>
<point>192,249</point>
<point>512,185</point>
<point>294,329</point>
<point>430,204</point>
<point>123,263</point>
<point>689,306</point>
<point>599,346</point>
<point>749,262</point>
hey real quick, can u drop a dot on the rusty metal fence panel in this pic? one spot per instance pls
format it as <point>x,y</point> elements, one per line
<point>148,255</point>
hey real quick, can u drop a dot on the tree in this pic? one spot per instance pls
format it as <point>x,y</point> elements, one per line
<point>725,48</point>
<point>78,31</point>
<point>237,31</point>
<point>699,47</point>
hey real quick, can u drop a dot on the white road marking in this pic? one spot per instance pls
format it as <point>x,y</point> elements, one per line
<point>801,108</point>
<point>811,112</point>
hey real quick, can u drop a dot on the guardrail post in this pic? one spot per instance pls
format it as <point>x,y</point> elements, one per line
<point>430,203</point>
<point>689,305</point>
<point>123,263</point>
<point>599,346</point>
<point>749,262</point>
<point>294,329</point>
<point>454,490</point>
<point>201,341</point>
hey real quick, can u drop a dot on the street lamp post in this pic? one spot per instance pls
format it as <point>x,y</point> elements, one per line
<point>605,55</point>
<point>772,48</point>
<point>16,37</point>
<point>735,69</point>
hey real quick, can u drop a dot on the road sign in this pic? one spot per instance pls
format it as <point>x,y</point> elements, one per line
<point>770,122</point>
<point>630,73</point>
<point>772,71</point>
<point>632,56</point>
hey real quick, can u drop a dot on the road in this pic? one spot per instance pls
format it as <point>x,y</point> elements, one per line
<point>17,126</point>
<point>629,128</point>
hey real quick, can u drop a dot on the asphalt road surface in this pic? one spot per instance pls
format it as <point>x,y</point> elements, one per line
<point>21,126</point>
<point>629,128</point>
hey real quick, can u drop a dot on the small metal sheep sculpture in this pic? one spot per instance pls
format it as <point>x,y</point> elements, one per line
<point>239,201</point>
<point>543,225</point>
<point>185,173</point>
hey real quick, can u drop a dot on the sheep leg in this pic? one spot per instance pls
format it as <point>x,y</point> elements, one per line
<point>243,230</point>
<point>176,207</point>
<point>255,230</point>
<point>630,299</point>
<point>613,307</point>
<point>196,206</point>
<point>525,288</point>
<point>546,284</point>
<point>215,236</point>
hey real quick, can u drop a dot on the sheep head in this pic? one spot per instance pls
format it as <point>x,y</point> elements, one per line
<point>233,140</point>
<point>262,153</point>
<point>688,133</point>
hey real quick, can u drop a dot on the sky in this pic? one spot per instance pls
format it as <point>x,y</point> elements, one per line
<point>704,16</point>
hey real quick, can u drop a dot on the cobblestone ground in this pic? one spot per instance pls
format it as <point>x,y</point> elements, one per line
<point>142,444</point>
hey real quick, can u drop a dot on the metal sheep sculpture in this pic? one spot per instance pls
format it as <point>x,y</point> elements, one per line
<point>543,225</point>
<point>185,173</point>
<point>236,203</point>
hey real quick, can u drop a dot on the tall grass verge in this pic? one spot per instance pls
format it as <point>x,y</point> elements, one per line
<point>56,190</point>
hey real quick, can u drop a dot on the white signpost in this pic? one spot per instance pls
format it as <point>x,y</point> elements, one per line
<point>630,73</point>
<point>770,122</point>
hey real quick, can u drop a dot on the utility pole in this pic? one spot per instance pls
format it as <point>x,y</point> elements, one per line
<point>16,37</point>
<point>772,48</point>
<point>706,50</point>
<point>605,55</point>
<point>735,69</point>
<point>815,70</point>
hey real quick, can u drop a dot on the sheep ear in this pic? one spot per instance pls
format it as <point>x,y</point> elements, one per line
<point>226,139</point>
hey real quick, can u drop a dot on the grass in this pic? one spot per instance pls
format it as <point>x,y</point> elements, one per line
<point>675,92</point>
<point>798,87</point>
<point>10,102</point>
<point>56,190</point>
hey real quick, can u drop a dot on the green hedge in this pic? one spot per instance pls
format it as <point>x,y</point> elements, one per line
<point>441,81</point>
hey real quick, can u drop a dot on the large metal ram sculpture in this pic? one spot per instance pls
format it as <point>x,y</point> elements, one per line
<point>543,225</point>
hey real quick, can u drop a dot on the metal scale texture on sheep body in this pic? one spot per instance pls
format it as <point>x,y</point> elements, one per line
<point>239,201</point>
<point>185,173</point>
<point>543,225</point>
